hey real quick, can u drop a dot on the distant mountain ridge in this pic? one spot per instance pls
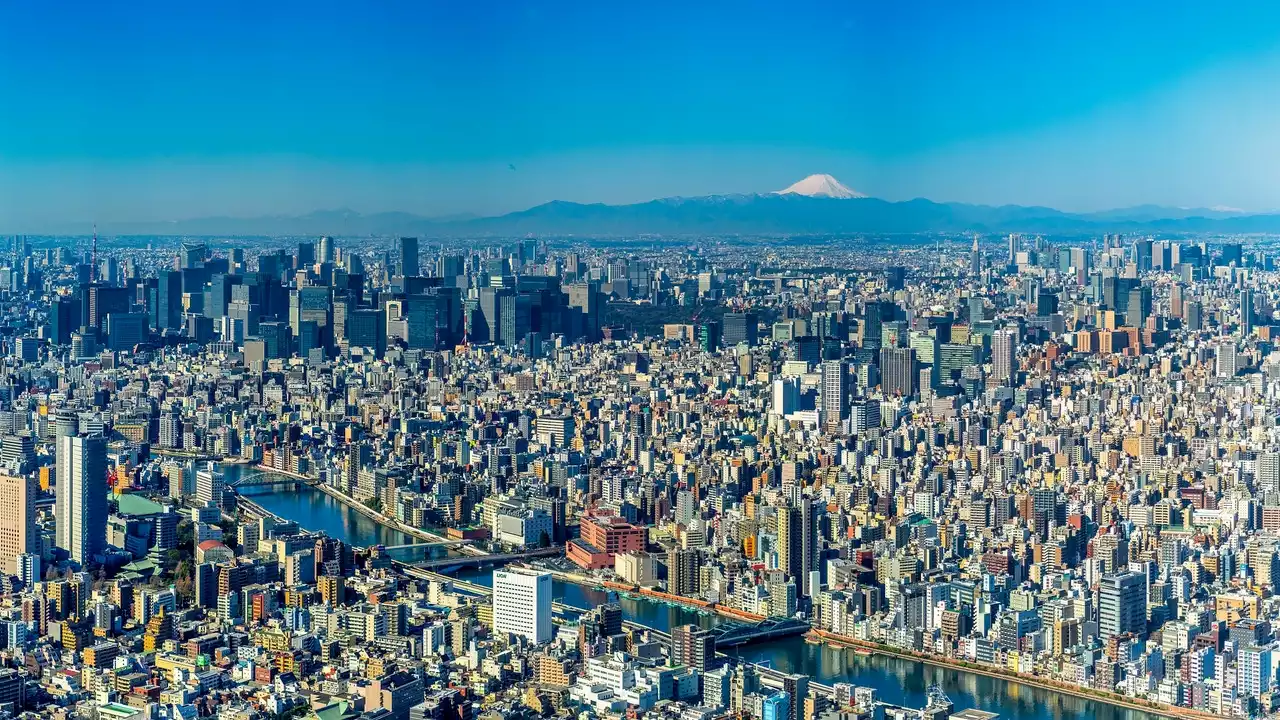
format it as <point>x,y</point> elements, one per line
<point>819,204</point>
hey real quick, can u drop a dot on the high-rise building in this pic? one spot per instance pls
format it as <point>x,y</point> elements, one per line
<point>1246,311</point>
<point>327,254</point>
<point>81,507</point>
<point>1004,359</point>
<point>18,534</point>
<point>682,572</point>
<point>408,247</point>
<point>786,396</point>
<point>740,327</point>
<point>693,647</point>
<point>522,604</point>
<point>898,371</point>
<point>1122,605</point>
<point>835,394</point>
<point>368,328</point>
<point>306,255</point>
<point>797,543</point>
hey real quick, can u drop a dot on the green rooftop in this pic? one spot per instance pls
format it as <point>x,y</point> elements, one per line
<point>131,504</point>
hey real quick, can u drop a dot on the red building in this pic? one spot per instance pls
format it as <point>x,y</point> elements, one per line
<point>602,538</point>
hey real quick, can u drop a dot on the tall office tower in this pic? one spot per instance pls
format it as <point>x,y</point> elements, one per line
<point>306,255</point>
<point>327,254</point>
<point>1014,242</point>
<point>786,396</point>
<point>1267,474</point>
<point>810,575</point>
<point>449,267</point>
<point>1176,301</point>
<point>895,277</point>
<point>18,534</point>
<point>1194,315</point>
<point>522,604</point>
<point>408,247</point>
<point>1232,254</point>
<point>740,327</point>
<point>169,300</point>
<point>835,394</point>
<point>682,571</point>
<point>368,328</point>
<point>1246,311</point>
<point>192,254</point>
<point>102,301</point>
<point>82,495</point>
<point>898,371</point>
<point>790,541</point>
<point>693,647</point>
<point>975,258</point>
<point>1139,307</point>
<point>1228,360</point>
<point>1142,254</point>
<point>66,424</point>
<point>1004,359</point>
<point>1122,605</point>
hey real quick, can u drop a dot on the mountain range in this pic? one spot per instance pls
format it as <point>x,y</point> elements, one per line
<point>817,205</point>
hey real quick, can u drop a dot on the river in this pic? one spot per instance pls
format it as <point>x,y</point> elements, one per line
<point>895,680</point>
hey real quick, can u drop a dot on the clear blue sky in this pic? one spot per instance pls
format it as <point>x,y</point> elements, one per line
<point>157,110</point>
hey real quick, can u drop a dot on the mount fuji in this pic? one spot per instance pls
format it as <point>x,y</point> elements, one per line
<point>817,205</point>
<point>823,186</point>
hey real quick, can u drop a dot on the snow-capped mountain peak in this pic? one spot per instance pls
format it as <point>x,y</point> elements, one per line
<point>821,185</point>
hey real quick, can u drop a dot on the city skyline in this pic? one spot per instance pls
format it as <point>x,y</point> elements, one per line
<point>167,113</point>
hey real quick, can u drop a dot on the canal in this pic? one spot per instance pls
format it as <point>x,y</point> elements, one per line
<point>895,680</point>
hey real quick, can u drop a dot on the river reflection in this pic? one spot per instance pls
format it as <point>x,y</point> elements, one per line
<point>316,511</point>
<point>897,681</point>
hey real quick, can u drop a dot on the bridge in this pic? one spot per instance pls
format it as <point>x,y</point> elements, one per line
<point>264,479</point>
<point>477,560</point>
<point>437,543</point>
<point>728,636</point>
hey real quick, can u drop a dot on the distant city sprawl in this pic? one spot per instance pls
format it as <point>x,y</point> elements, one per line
<point>689,477</point>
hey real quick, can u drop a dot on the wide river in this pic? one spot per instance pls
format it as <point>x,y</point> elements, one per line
<point>895,680</point>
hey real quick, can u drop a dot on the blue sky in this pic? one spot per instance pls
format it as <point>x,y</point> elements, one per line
<point>160,110</point>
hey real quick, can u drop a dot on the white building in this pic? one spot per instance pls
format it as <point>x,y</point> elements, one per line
<point>522,604</point>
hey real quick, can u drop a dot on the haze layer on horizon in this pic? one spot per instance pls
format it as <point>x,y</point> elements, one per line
<point>160,111</point>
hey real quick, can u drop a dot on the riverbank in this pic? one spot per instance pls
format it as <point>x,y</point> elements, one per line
<point>385,520</point>
<point>1042,683</point>
<point>692,603</point>
<point>1114,700</point>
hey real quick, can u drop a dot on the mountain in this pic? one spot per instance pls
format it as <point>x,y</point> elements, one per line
<point>821,186</point>
<point>817,205</point>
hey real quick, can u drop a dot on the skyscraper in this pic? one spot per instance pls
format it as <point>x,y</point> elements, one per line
<point>408,247</point>
<point>522,604</point>
<point>18,521</point>
<point>834,394</point>
<point>1122,605</point>
<point>326,249</point>
<point>1004,361</point>
<point>1246,311</point>
<point>897,371</point>
<point>789,540</point>
<point>82,495</point>
<point>740,327</point>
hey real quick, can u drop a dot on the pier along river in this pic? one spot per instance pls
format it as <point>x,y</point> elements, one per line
<point>895,680</point>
